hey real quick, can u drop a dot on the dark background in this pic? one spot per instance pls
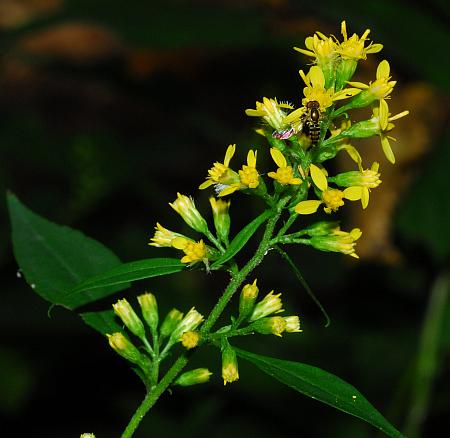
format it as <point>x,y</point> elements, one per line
<point>108,108</point>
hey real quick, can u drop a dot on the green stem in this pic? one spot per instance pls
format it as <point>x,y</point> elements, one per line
<point>213,240</point>
<point>287,225</point>
<point>240,276</point>
<point>152,397</point>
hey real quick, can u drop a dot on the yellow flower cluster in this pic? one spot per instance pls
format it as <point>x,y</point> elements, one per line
<point>302,139</point>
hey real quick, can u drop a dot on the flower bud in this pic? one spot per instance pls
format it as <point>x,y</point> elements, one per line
<point>190,322</point>
<point>340,241</point>
<point>270,304</point>
<point>124,347</point>
<point>172,319</point>
<point>221,217</point>
<point>292,324</point>
<point>190,339</point>
<point>149,309</point>
<point>247,300</point>
<point>344,72</point>
<point>321,228</point>
<point>126,313</point>
<point>194,377</point>
<point>163,237</point>
<point>87,435</point>
<point>230,372</point>
<point>369,178</point>
<point>274,325</point>
<point>185,207</point>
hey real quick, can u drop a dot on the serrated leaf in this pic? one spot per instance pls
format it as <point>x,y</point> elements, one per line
<point>131,271</point>
<point>55,258</point>
<point>322,386</point>
<point>242,238</point>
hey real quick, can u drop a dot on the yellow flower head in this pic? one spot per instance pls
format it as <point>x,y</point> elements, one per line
<point>292,324</point>
<point>224,179</point>
<point>194,251</point>
<point>249,176</point>
<point>381,117</point>
<point>332,198</point>
<point>382,87</point>
<point>163,237</point>
<point>190,339</point>
<point>284,174</point>
<point>271,111</point>
<point>353,47</point>
<point>315,89</point>
<point>320,47</point>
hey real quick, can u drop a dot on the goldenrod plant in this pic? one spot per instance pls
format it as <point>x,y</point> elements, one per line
<point>299,195</point>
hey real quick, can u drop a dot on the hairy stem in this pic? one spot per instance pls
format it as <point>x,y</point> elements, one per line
<point>152,397</point>
<point>241,275</point>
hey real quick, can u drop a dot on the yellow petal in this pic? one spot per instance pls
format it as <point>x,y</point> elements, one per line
<point>318,177</point>
<point>229,190</point>
<point>353,153</point>
<point>229,154</point>
<point>205,184</point>
<point>383,69</point>
<point>179,242</point>
<point>307,207</point>
<point>254,113</point>
<point>346,93</point>
<point>375,166</point>
<point>305,52</point>
<point>344,30</point>
<point>399,116</point>
<point>309,43</point>
<point>251,158</point>
<point>278,157</point>
<point>383,114</point>
<point>387,149</point>
<point>305,78</point>
<point>374,48</point>
<point>353,193</point>
<point>316,76</point>
<point>356,233</point>
<point>361,85</point>
<point>364,197</point>
<point>294,115</point>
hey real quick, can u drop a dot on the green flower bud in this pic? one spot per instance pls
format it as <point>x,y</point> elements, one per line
<point>172,319</point>
<point>369,178</point>
<point>126,313</point>
<point>340,241</point>
<point>149,309</point>
<point>189,323</point>
<point>363,129</point>
<point>221,217</point>
<point>344,72</point>
<point>185,207</point>
<point>270,304</point>
<point>247,300</point>
<point>194,377</point>
<point>87,435</point>
<point>125,348</point>
<point>292,324</point>
<point>274,325</point>
<point>230,372</point>
<point>322,228</point>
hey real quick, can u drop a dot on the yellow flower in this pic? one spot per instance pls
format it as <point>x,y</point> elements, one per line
<point>386,125</point>
<point>194,251</point>
<point>185,207</point>
<point>320,47</point>
<point>271,111</point>
<point>353,47</point>
<point>225,180</point>
<point>315,89</point>
<point>190,339</point>
<point>339,241</point>
<point>249,176</point>
<point>332,198</point>
<point>163,237</point>
<point>381,88</point>
<point>284,174</point>
<point>365,179</point>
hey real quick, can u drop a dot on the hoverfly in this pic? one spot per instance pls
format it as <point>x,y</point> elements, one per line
<point>309,123</point>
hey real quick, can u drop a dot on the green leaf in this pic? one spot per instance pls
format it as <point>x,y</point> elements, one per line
<point>55,258</point>
<point>322,386</point>
<point>104,321</point>
<point>242,238</point>
<point>131,271</point>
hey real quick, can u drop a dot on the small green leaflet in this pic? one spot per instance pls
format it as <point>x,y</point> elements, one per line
<point>242,238</point>
<point>322,386</point>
